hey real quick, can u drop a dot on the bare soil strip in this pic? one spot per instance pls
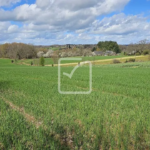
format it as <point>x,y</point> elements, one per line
<point>66,140</point>
<point>28,117</point>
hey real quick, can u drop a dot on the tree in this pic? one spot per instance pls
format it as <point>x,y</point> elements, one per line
<point>42,61</point>
<point>93,49</point>
<point>138,48</point>
<point>17,51</point>
<point>109,45</point>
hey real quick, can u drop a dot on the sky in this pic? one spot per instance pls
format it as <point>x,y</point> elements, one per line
<point>48,22</point>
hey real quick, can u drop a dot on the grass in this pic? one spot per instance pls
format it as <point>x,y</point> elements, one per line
<point>96,60</point>
<point>54,48</point>
<point>49,61</point>
<point>114,116</point>
<point>17,133</point>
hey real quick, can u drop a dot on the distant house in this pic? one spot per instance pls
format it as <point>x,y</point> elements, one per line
<point>106,53</point>
<point>47,55</point>
<point>40,54</point>
<point>109,53</point>
<point>97,53</point>
<point>131,53</point>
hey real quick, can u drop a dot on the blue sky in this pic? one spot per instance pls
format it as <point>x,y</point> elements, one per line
<point>47,22</point>
<point>135,7</point>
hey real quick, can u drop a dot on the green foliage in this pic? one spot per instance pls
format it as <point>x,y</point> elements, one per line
<point>116,61</point>
<point>93,49</point>
<point>125,53</point>
<point>42,61</point>
<point>149,57</point>
<point>31,63</point>
<point>54,48</point>
<point>131,60</point>
<point>109,45</point>
<point>146,52</point>
<point>138,53</point>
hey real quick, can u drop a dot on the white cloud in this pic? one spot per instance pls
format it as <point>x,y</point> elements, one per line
<point>8,2</point>
<point>74,14</point>
<point>121,24</point>
<point>62,21</point>
<point>12,28</point>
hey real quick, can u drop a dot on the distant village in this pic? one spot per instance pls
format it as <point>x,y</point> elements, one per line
<point>72,50</point>
<point>103,48</point>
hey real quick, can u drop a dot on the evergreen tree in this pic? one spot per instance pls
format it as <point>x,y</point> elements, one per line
<point>42,61</point>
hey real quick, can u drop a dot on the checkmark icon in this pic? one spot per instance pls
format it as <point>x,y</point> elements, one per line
<point>72,72</point>
<point>70,75</point>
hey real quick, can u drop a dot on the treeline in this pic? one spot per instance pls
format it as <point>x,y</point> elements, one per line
<point>140,48</point>
<point>17,51</point>
<point>109,45</point>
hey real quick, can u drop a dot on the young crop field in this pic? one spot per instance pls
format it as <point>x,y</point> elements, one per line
<point>116,115</point>
<point>95,59</point>
<point>49,61</point>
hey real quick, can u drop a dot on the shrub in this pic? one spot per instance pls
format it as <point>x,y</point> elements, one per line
<point>149,57</point>
<point>131,60</point>
<point>31,63</point>
<point>93,49</point>
<point>126,61</point>
<point>55,59</point>
<point>115,61</point>
<point>12,61</point>
<point>16,60</point>
<point>137,53</point>
<point>146,52</point>
<point>42,61</point>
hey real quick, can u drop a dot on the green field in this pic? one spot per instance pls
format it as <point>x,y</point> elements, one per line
<point>116,115</point>
<point>55,48</point>
<point>49,61</point>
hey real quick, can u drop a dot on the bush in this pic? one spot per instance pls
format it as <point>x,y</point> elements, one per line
<point>131,60</point>
<point>137,53</point>
<point>31,63</point>
<point>42,61</point>
<point>16,60</point>
<point>93,49</point>
<point>109,45</point>
<point>115,61</point>
<point>146,52</point>
<point>149,57</point>
<point>126,61</point>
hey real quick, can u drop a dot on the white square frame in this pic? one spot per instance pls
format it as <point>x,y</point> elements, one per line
<point>74,92</point>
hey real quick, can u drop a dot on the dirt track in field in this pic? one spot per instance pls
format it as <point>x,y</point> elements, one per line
<point>100,61</point>
<point>31,119</point>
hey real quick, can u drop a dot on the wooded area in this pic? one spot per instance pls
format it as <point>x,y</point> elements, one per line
<point>109,45</point>
<point>17,51</point>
